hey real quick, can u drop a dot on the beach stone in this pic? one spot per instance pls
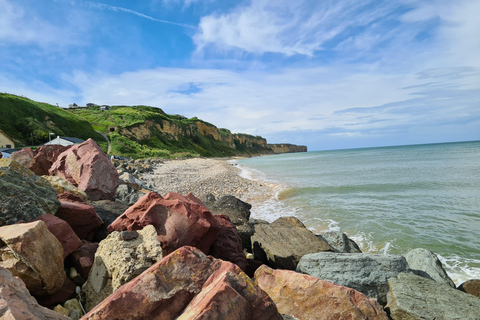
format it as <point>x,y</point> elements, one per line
<point>471,287</point>
<point>129,180</point>
<point>423,260</point>
<point>32,253</point>
<point>61,186</point>
<point>16,302</point>
<point>118,261</point>
<point>282,243</point>
<point>340,242</point>
<point>81,217</point>
<point>87,167</point>
<point>414,297</point>
<point>228,245</point>
<point>82,258</point>
<point>24,196</point>
<point>63,232</point>
<point>179,221</point>
<point>165,290</point>
<point>366,272</point>
<point>108,211</point>
<point>307,297</point>
<point>128,195</point>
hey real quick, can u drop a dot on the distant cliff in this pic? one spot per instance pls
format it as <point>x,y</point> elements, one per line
<point>286,148</point>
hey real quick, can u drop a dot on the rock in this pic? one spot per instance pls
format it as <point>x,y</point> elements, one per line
<point>63,311</point>
<point>366,272</point>
<point>118,261</point>
<point>69,197</point>
<point>179,221</point>
<point>423,260</point>
<point>67,291</point>
<point>307,297</point>
<point>17,303</point>
<point>340,242</point>
<point>414,297</point>
<point>129,180</point>
<point>82,258</point>
<point>40,160</point>
<point>87,167</point>
<point>471,287</point>
<point>165,290</point>
<point>23,156</point>
<point>24,196</point>
<point>63,232</point>
<point>74,307</point>
<point>228,245</point>
<point>32,253</point>
<point>108,211</point>
<point>81,217</point>
<point>282,243</point>
<point>61,186</point>
<point>128,195</point>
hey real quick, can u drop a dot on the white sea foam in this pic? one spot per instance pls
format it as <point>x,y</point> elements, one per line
<point>460,269</point>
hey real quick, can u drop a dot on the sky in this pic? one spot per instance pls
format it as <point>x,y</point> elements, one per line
<point>329,74</point>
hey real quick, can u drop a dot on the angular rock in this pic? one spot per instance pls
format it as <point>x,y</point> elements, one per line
<point>129,180</point>
<point>61,186</point>
<point>307,297</point>
<point>414,297</point>
<point>471,287</point>
<point>63,232</point>
<point>282,243</point>
<point>118,261</point>
<point>69,197</point>
<point>340,242</point>
<point>32,253</point>
<point>367,273</point>
<point>66,292</point>
<point>24,196</point>
<point>179,221</point>
<point>23,156</point>
<point>81,217</point>
<point>82,258</point>
<point>423,260</point>
<point>128,195</point>
<point>108,211</point>
<point>87,167</point>
<point>17,303</point>
<point>228,245</point>
<point>166,289</point>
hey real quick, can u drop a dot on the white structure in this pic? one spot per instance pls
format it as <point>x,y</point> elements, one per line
<point>65,141</point>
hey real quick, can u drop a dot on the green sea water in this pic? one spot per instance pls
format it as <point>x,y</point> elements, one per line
<point>388,199</point>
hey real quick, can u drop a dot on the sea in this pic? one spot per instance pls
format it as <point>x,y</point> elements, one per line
<point>387,199</point>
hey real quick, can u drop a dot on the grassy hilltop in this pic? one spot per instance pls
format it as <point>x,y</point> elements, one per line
<point>136,131</point>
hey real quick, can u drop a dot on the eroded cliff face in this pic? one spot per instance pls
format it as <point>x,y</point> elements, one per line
<point>286,148</point>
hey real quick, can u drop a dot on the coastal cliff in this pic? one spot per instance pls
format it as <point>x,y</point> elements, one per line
<point>286,148</point>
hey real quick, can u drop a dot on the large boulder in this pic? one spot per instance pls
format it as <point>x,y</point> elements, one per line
<point>87,167</point>
<point>61,186</point>
<point>228,245</point>
<point>340,242</point>
<point>41,159</point>
<point>417,298</point>
<point>307,297</point>
<point>16,303</point>
<point>168,288</point>
<point>24,196</point>
<point>128,195</point>
<point>81,217</point>
<point>32,253</point>
<point>63,232</point>
<point>366,272</point>
<point>471,287</point>
<point>119,260</point>
<point>179,221</point>
<point>23,156</point>
<point>282,243</point>
<point>425,261</point>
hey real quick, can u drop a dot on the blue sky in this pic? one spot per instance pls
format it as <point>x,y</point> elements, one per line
<point>328,74</point>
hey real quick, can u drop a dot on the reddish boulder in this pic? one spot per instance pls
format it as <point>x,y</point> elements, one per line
<point>179,221</point>
<point>63,232</point>
<point>228,245</point>
<point>66,292</point>
<point>69,197</point>
<point>307,297</point>
<point>165,290</point>
<point>471,287</point>
<point>40,160</point>
<point>81,217</point>
<point>23,156</point>
<point>82,258</point>
<point>17,303</point>
<point>87,167</point>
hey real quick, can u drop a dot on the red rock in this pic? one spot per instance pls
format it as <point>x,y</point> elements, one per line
<point>16,303</point>
<point>66,292</point>
<point>307,297</point>
<point>471,287</point>
<point>165,290</point>
<point>82,258</point>
<point>69,197</point>
<point>40,160</point>
<point>87,167</point>
<point>63,232</point>
<point>81,217</point>
<point>23,156</point>
<point>179,221</point>
<point>228,245</point>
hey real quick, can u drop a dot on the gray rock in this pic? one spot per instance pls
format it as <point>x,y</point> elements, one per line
<point>414,297</point>
<point>282,243</point>
<point>367,273</point>
<point>108,211</point>
<point>24,195</point>
<point>423,260</point>
<point>128,195</point>
<point>340,242</point>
